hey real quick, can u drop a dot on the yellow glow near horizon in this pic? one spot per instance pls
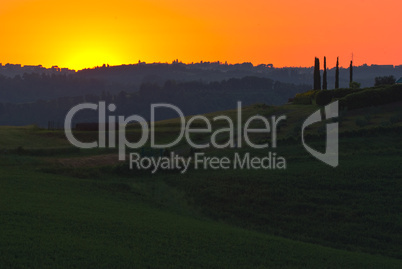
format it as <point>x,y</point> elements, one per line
<point>87,33</point>
<point>90,57</point>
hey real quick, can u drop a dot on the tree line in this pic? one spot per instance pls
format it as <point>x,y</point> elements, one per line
<point>378,81</point>
<point>317,75</point>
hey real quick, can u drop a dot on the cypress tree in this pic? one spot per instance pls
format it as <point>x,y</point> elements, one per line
<point>317,75</point>
<point>337,74</point>
<point>324,77</point>
<point>351,71</point>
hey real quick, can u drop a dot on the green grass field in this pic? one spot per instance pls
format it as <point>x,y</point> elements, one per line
<point>52,221</point>
<point>105,216</point>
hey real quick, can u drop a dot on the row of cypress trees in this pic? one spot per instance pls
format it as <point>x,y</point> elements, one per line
<point>317,74</point>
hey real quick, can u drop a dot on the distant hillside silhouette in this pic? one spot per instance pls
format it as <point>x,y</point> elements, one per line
<point>135,74</point>
<point>193,97</point>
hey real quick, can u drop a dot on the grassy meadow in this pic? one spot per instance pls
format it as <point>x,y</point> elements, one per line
<point>66,208</point>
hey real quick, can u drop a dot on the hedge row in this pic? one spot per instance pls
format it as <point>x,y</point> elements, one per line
<point>305,98</point>
<point>322,97</point>
<point>372,97</point>
<point>325,97</point>
<point>352,98</point>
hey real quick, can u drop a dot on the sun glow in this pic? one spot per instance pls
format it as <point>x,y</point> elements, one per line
<point>86,33</point>
<point>91,56</point>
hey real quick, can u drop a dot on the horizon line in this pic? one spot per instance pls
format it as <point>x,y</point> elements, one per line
<point>269,65</point>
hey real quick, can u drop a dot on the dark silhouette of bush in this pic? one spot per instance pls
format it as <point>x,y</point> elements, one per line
<point>372,97</point>
<point>305,98</point>
<point>354,85</point>
<point>323,98</point>
<point>385,80</point>
<point>339,93</point>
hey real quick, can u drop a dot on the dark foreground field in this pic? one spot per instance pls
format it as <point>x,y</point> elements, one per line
<point>65,208</point>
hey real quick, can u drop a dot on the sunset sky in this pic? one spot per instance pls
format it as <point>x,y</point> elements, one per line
<point>85,33</point>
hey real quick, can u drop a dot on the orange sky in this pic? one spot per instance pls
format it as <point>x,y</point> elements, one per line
<point>86,33</point>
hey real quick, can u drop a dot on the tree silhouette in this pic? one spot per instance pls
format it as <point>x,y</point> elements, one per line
<point>337,74</point>
<point>317,75</point>
<point>351,71</point>
<point>324,77</point>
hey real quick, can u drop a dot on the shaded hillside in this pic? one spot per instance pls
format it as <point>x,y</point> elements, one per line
<point>87,197</point>
<point>193,97</point>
